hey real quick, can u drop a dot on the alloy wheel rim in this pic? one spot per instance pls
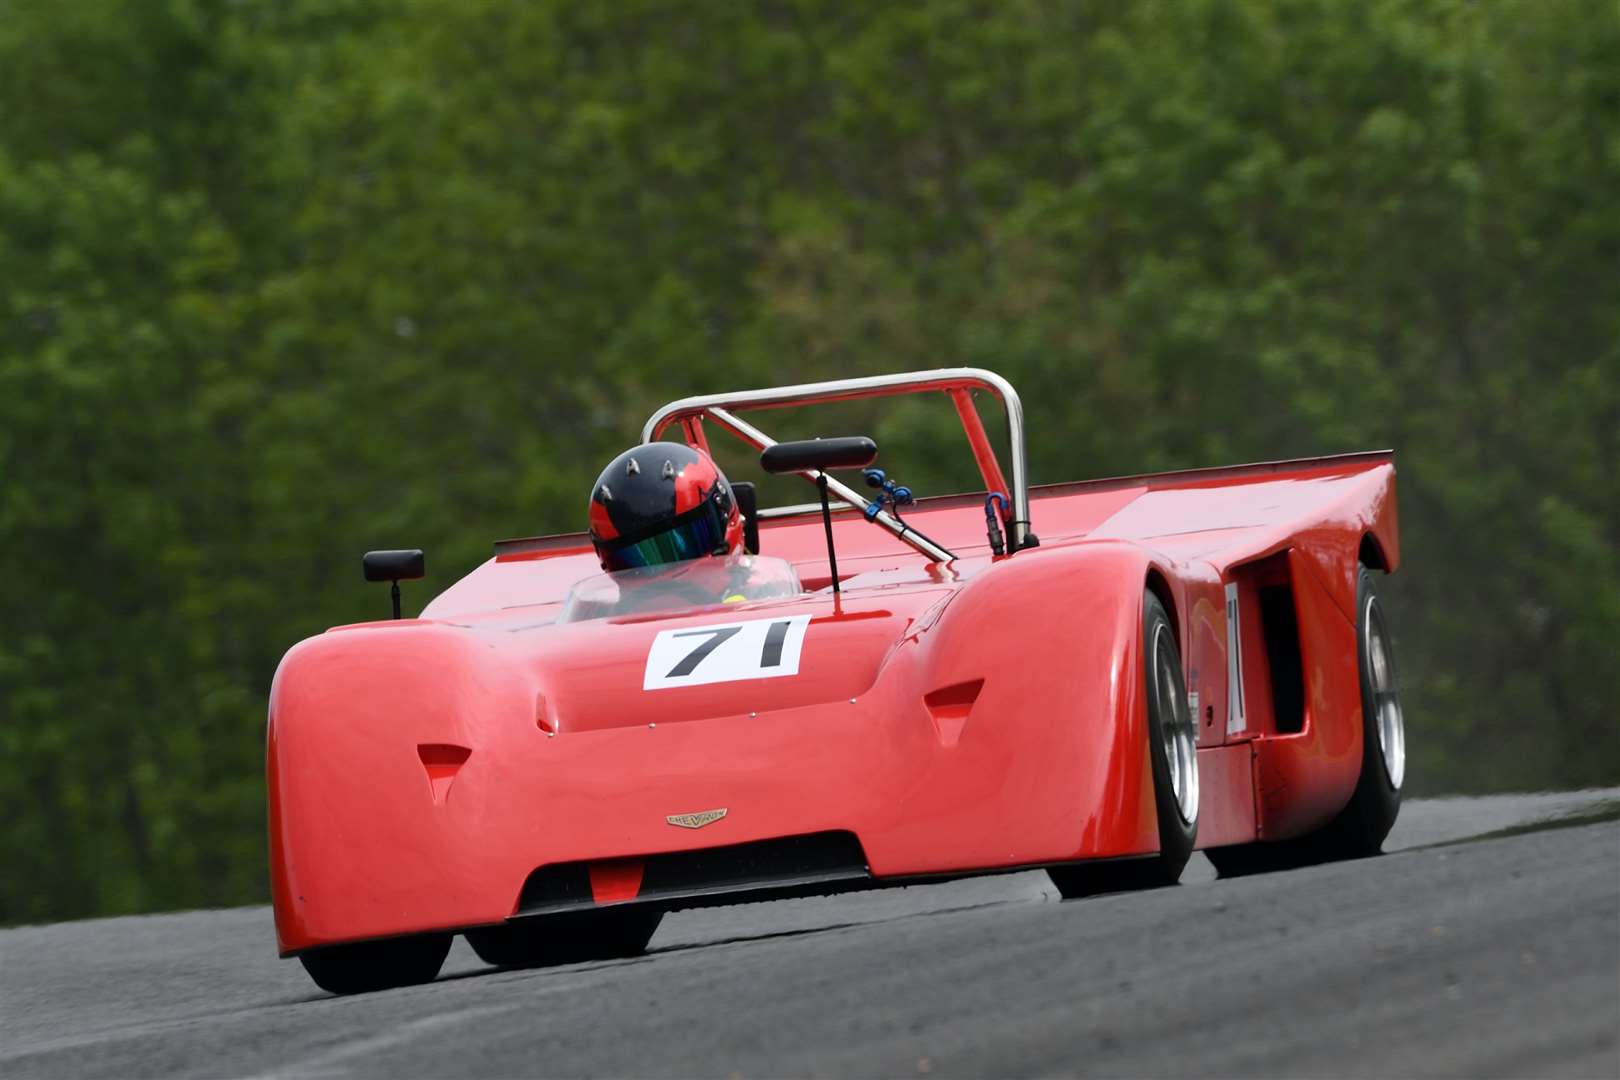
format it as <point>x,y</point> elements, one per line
<point>1178,729</point>
<point>1388,718</point>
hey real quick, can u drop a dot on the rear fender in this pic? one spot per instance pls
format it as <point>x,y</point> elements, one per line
<point>1303,780</point>
<point>1333,546</point>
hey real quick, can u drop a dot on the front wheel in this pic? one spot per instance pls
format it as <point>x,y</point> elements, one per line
<point>567,938</point>
<point>365,966</point>
<point>1173,752</point>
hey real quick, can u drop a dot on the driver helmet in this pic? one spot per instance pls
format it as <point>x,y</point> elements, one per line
<point>662,503</point>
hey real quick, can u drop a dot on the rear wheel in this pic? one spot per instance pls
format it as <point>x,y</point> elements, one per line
<point>1362,825</point>
<point>567,938</point>
<point>1360,829</point>
<point>1173,752</point>
<point>365,966</point>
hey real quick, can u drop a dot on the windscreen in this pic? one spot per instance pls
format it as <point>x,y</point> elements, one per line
<point>694,583</point>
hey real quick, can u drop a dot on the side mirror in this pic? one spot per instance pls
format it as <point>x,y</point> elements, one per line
<point>851,452</point>
<point>395,566</point>
<point>405,565</point>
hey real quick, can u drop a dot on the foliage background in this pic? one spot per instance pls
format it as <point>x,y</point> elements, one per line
<point>282,280</point>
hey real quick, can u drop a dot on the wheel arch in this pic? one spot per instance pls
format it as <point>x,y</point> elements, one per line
<point>1158,583</point>
<point>1371,553</point>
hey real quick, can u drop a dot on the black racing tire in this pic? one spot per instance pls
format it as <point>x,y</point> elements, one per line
<point>1360,828</point>
<point>1172,735</point>
<point>365,966</point>
<point>1362,825</point>
<point>569,938</point>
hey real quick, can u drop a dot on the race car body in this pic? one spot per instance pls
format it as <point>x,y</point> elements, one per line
<point>1180,660</point>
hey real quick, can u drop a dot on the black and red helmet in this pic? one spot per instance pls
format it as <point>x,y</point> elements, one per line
<point>661,503</point>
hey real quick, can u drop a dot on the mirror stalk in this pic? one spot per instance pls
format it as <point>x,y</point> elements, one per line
<point>826,522</point>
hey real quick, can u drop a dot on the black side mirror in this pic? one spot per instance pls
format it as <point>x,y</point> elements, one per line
<point>748,506</point>
<point>851,452</point>
<point>407,564</point>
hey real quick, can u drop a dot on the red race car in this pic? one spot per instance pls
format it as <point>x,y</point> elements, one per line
<point>881,689</point>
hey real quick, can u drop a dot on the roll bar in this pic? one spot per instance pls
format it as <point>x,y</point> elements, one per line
<point>956,383</point>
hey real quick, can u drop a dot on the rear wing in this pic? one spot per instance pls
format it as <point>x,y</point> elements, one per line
<point>958,384</point>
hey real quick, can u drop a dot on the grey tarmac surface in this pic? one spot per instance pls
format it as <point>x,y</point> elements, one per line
<point>1448,956</point>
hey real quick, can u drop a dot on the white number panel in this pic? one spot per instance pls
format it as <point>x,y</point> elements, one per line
<point>725,652</point>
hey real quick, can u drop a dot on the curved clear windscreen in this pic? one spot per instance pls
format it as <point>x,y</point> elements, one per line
<point>694,583</point>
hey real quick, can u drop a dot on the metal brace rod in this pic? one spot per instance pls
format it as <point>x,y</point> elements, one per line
<point>941,379</point>
<point>756,438</point>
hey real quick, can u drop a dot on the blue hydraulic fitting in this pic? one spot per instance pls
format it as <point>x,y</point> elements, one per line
<point>992,524</point>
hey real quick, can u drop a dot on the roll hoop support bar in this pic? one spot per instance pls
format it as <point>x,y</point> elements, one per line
<point>957,383</point>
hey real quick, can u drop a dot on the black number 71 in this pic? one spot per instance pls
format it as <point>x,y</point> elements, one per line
<point>770,655</point>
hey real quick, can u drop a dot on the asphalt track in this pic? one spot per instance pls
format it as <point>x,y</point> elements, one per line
<point>1492,956</point>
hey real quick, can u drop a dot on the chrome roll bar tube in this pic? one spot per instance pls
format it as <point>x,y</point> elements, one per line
<point>955,382</point>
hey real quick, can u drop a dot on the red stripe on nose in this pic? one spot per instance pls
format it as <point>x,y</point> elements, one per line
<point>615,879</point>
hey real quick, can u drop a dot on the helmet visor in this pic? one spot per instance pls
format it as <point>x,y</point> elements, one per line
<point>698,532</point>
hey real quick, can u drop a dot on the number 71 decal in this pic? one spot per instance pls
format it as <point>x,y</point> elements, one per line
<point>725,652</point>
